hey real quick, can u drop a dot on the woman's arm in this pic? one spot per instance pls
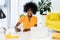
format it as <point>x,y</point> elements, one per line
<point>16,27</point>
<point>17,24</point>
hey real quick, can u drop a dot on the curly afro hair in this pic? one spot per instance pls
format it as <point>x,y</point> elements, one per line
<point>31,6</point>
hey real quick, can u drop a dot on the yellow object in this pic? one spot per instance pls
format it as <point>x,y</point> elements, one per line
<point>11,36</point>
<point>54,16</point>
<point>53,21</point>
<point>56,35</point>
<point>7,35</point>
<point>26,23</point>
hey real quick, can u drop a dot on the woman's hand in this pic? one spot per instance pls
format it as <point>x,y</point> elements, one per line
<point>17,29</point>
<point>35,25</point>
<point>26,30</point>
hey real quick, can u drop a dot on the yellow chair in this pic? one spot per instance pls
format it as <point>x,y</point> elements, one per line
<point>56,36</point>
<point>53,21</point>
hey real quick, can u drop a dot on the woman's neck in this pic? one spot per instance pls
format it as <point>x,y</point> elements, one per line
<point>29,18</point>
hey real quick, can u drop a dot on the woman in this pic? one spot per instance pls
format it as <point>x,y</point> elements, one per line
<point>29,20</point>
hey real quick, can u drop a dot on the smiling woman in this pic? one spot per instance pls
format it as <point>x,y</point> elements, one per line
<point>28,20</point>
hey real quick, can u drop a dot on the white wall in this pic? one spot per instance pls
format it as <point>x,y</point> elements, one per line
<point>21,4</point>
<point>55,5</point>
<point>14,13</point>
<point>2,2</point>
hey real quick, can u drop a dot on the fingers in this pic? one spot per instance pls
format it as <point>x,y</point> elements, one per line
<point>26,30</point>
<point>17,29</point>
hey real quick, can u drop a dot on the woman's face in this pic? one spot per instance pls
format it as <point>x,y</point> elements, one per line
<point>29,12</point>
